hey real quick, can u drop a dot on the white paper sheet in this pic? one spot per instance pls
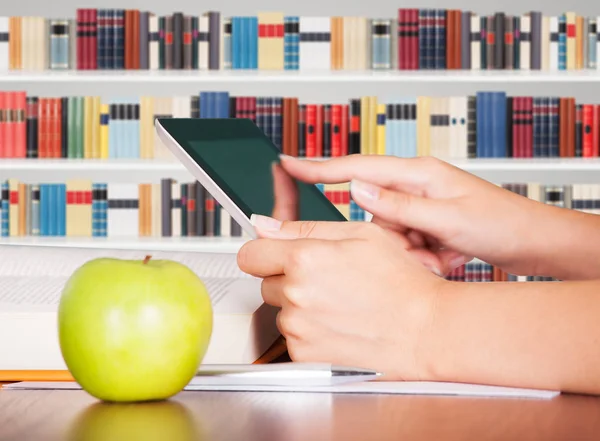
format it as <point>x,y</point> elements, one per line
<point>369,387</point>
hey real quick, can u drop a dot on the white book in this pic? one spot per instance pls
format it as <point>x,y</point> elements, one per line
<point>176,210</point>
<point>598,42</point>
<point>4,37</point>
<point>475,42</point>
<point>349,53</point>
<point>123,214</point>
<point>545,43</point>
<point>156,210</point>
<point>203,44</point>
<point>458,123</point>
<point>32,279</point>
<point>153,28</point>
<point>525,56</point>
<point>553,62</point>
<point>315,43</point>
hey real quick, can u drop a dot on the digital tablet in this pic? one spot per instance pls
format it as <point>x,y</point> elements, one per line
<point>232,159</point>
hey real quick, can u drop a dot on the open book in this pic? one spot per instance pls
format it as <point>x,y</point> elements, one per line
<point>32,278</point>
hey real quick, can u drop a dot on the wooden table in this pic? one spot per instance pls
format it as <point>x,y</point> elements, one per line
<point>211,416</point>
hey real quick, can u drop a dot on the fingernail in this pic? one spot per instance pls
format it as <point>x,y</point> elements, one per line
<point>285,157</point>
<point>265,222</point>
<point>435,271</point>
<point>459,261</point>
<point>365,190</point>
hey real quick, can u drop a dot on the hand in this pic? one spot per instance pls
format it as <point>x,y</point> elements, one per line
<point>438,207</point>
<point>286,206</point>
<point>349,293</point>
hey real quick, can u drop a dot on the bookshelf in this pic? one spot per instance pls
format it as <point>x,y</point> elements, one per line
<point>548,170</point>
<point>290,77</point>
<point>309,86</point>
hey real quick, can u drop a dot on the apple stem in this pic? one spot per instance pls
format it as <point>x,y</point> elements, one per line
<point>147,259</point>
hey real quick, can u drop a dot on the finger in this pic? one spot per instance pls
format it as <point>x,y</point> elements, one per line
<point>267,227</point>
<point>407,174</point>
<point>272,257</point>
<point>285,194</point>
<point>264,257</point>
<point>450,260</point>
<point>272,290</point>
<point>415,212</point>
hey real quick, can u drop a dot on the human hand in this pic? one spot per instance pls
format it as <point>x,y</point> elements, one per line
<point>439,207</point>
<point>349,293</point>
<point>286,206</point>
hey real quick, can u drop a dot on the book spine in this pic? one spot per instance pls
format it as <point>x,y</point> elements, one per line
<point>187,43</point>
<point>59,44</point>
<point>440,39</point>
<point>509,35</point>
<point>465,40</point>
<point>153,43</point>
<point>354,138</point>
<point>591,44</point>
<point>214,51</point>
<point>302,130</point>
<point>143,39</point>
<point>227,49</point>
<point>554,43</point>
<point>587,120</point>
<point>380,34</point>
<point>554,126</point>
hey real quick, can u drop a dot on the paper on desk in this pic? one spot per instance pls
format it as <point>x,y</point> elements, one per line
<point>368,387</point>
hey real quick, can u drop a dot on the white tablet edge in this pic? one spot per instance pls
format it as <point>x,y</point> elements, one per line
<point>194,168</point>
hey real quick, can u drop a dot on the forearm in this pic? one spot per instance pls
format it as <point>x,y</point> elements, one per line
<point>542,335</point>
<point>561,243</point>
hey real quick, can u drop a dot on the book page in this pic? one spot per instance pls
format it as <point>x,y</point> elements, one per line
<point>32,278</point>
<point>25,260</point>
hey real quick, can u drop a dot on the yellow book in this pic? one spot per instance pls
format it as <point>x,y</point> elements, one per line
<point>337,43</point>
<point>580,34</point>
<point>373,125</point>
<point>79,208</point>
<point>349,62</point>
<point>381,108</point>
<point>95,127</point>
<point>87,127</point>
<point>423,126</point>
<point>103,130</point>
<point>270,41</point>
<point>365,148</point>
<point>13,207</point>
<point>146,127</point>
<point>571,41</point>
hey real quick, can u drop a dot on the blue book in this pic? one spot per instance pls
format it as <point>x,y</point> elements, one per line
<point>4,209</point>
<point>99,210</point>
<point>252,32</point>
<point>591,46</point>
<point>390,119</point>
<point>553,127</point>
<point>380,42</point>
<point>59,44</point>
<point>562,42</point>
<point>538,127</point>
<point>118,38</point>
<point>440,39</point>
<point>411,128</point>
<point>236,43</point>
<point>425,31</point>
<point>481,119</point>
<point>498,125</point>
<point>103,50</point>
<point>133,129</point>
<point>227,50</point>
<point>61,209</point>
<point>221,105</point>
<point>357,214</point>
<point>291,43</point>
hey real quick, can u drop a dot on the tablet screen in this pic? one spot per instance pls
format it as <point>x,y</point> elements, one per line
<point>238,156</point>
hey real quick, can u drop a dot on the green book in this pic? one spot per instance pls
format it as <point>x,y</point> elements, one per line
<point>72,123</point>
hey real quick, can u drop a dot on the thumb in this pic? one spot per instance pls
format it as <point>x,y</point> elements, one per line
<point>405,209</point>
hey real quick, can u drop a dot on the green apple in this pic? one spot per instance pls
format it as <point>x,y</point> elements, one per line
<point>133,330</point>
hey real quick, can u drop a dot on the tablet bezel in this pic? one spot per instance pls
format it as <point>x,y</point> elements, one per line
<point>204,178</point>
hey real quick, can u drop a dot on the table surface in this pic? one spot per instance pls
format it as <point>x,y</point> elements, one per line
<point>211,416</point>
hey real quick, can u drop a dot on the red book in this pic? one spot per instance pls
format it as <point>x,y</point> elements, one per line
<point>527,135</point>
<point>240,111</point>
<point>319,131</point>
<point>344,129</point>
<point>56,127</point>
<point>595,130</point>
<point>517,128</point>
<point>251,107</point>
<point>311,138</point>
<point>135,60</point>
<point>401,39</point>
<point>588,125</point>
<point>3,113</point>
<point>92,42</point>
<point>336,134</point>
<point>42,118</point>
<point>20,125</point>
<point>81,39</point>
<point>413,40</point>
<point>9,137</point>
<point>128,39</point>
